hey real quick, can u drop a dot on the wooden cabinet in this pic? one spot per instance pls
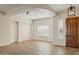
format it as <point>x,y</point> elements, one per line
<point>72,29</point>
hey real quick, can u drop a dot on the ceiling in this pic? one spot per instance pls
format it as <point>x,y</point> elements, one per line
<point>61,7</point>
<point>39,13</point>
<point>7,7</point>
<point>56,7</point>
<point>35,14</point>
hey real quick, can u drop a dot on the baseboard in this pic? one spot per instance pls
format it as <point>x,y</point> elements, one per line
<point>58,44</point>
<point>4,44</point>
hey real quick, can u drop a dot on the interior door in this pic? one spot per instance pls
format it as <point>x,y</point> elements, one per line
<point>71,34</point>
<point>14,31</point>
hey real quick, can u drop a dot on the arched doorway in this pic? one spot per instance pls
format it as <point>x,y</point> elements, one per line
<point>42,24</point>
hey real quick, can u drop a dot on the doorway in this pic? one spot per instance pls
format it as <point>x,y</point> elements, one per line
<point>72,35</point>
<point>14,31</point>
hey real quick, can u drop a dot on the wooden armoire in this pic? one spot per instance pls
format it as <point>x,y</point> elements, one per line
<point>72,32</point>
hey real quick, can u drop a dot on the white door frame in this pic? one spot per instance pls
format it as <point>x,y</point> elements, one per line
<point>17,30</point>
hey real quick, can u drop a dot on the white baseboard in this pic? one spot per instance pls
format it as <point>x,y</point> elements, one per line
<point>4,44</point>
<point>59,44</point>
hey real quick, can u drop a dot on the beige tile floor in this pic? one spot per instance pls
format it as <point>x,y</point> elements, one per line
<point>34,47</point>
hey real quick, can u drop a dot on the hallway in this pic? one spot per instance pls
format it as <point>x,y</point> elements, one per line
<point>34,47</point>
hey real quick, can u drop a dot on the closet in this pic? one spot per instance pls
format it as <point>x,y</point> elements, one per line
<point>72,32</point>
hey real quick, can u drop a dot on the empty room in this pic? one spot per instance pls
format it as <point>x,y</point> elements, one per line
<point>39,29</point>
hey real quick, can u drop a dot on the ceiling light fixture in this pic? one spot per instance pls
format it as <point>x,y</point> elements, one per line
<point>71,11</point>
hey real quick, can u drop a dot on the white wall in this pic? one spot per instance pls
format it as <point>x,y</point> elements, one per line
<point>58,41</point>
<point>23,26</point>
<point>44,21</point>
<point>4,30</point>
<point>24,31</point>
<point>14,25</point>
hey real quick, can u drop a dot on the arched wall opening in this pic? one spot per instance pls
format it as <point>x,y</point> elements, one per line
<point>30,21</point>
